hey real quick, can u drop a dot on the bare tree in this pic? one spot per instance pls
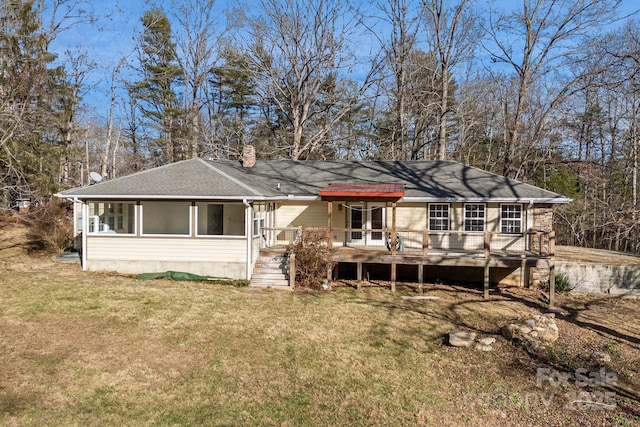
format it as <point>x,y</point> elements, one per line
<point>300,50</point>
<point>540,43</point>
<point>453,34</point>
<point>197,56</point>
<point>398,49</point>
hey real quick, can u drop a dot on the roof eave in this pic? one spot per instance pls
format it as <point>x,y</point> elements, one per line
<point>524,200</point>
<point>161,197</point>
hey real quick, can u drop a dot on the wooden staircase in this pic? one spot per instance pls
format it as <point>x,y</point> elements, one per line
<point>271,270</point>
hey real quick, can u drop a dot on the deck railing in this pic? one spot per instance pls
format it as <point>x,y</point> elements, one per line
<point>422,242</point>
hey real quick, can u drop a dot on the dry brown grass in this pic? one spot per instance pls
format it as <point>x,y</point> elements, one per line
<point>81,348</point>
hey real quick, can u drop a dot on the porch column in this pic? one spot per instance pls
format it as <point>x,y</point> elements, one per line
<point>85,231</point>
<point>394,233</point>
<point>248,221</point>
<point>329,220</point>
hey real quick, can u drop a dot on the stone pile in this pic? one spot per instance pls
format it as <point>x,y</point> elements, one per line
<point>532,331</point>
<point>461,338</point>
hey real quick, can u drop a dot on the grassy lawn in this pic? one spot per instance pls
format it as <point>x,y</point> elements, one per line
<point>81,348</point>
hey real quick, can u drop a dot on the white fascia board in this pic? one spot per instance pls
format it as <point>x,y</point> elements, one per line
<point>160,197</point>
<point>304,198</point>
<point>550,200</point>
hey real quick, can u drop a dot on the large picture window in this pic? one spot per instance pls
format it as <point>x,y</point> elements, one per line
<point>111,218</point>
<point>438,217</point>
<point>220,219</point>
<point>166,218</point>
<point>511,219</point>
<point>474,217</point>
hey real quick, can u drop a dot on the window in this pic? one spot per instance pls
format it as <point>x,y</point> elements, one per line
<point>376,222</point>
<point>220,219</point>
<point>474,217</point>
<point>112,217</point>
<point>511,219</point>
<point>438,217</point>
<point>356,220</point>
<point>259,215</point>
<point>166,218</point>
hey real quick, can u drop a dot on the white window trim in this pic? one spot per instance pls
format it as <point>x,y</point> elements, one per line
<point>92,219</point>
<point>521,219</point>
<point>259,217</point>
<point>448,205</point>
<point>484,218</point>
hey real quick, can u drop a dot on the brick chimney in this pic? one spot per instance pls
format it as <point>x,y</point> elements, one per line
<point>248,156</point>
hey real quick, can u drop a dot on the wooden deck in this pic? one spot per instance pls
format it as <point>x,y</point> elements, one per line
<point>485,256</point>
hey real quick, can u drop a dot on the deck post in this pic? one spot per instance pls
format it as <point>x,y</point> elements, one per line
<point>359,275</point>
<point>552,269</point>
<point>487,244</point>
<point>292,271</point>
<point>329,221</point>
<point>420,276</point>
<point>393,276</point>
<point>552,283</point>
<point>487,278</point>
<point>425,242</point>
<point>394,233</point>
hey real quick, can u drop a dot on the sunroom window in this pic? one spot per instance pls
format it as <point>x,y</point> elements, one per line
<point>220,219</point>
<point>111,217</point>
<point>166,218</point>
<point>474,217</point>
<point>511,219</point>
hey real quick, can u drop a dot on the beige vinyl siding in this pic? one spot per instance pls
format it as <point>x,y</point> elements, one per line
<point>493,217</point>
<point>302,214</point>
<point>220,257</point>
<point>409,216</point>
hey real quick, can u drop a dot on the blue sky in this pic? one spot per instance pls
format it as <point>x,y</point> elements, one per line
<point>114,36</point>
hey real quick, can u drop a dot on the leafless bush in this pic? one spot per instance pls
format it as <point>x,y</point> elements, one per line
<point>313,258</point>
<point>50,227</point>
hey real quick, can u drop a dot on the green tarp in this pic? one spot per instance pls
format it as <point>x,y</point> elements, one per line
<point>178,276</point>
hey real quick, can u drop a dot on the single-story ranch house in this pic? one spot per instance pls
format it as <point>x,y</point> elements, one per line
<point>216,218</point>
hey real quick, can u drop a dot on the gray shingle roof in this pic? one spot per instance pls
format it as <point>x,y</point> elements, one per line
<point>432,180</point>
<point>187,179</point>
<point>424,180</point>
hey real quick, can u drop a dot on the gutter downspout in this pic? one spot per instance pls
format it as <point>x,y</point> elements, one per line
<point>247,232</point>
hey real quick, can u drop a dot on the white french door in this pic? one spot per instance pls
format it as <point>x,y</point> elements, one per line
<point>356,220</point>
<point>370,216</point>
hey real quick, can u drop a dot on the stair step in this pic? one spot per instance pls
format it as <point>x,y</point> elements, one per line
<point>267,265</point>
<point>271,283</point>
<point>270,276</point>
<point>268,271</point>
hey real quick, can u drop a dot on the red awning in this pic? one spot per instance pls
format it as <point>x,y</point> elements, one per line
<point>363,191</point>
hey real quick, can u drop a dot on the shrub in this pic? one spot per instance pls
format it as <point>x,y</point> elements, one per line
<point>563,284</point>
<point>313,258</point>
<point>50,227</point>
